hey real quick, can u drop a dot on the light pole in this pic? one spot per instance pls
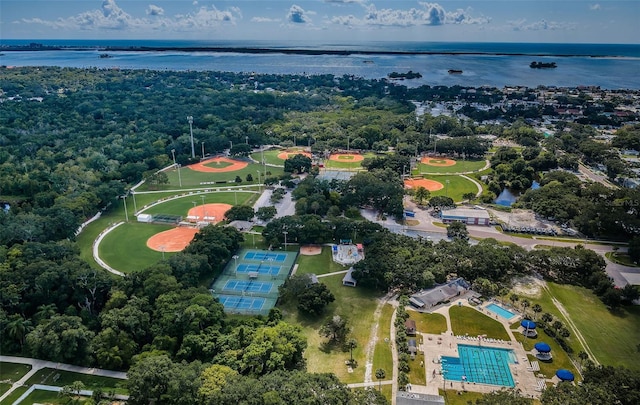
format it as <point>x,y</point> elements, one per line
<point>135,207</point>
<point>285,239</point>
<point>235,257</point>
<point>230,145</point>
<point>446,191</point>
<point>246,139</point>
<point>162,249</point>
<point>348,139</point>
<point>294,140</point>
<point>204,212</point>
<point>203,149</point>
<point>193,151</point>
<point>259,187</point>
<point>173,152</point>
<point>126,214</point>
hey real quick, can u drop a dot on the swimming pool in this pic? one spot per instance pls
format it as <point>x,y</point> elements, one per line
<point>497,309</point>
<point>482,365</point>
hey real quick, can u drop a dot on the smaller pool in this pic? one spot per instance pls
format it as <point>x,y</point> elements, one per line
<point>498,310</point>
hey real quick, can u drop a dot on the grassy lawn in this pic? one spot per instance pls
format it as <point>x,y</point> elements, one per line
<point>457,186</point>
<point>13,371</point>
<point>357,305</point>
<point>271,156</point>
<point>50,376</point>
<point>460,167</point>
<point>560,357</point>
<point>15,395</point>
<point>468,321</point>
<point>125,248</point>
<point>382,356</point>
<point>620,258</point>
<point>4,387</point>
<point>429,323</point>
<point>612,336</point>
<point>416,370</point>
<point>319,264</point>
<point>52,398</point>
<point>453,397</point>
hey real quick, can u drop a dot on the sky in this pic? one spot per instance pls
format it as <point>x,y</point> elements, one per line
<point>325,21</point>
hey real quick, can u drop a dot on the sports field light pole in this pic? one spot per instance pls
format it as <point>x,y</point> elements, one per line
<point>235,257</point>
<point>259,187</point>
<point>246,139</point>
<point>126,214</point>
<point>285,233</point>
<point>203,149</point>
<point>173,153</point>
<point>446,191</point>
<point>135,207</point>
<point>193,151</point>
<point>204,211</point>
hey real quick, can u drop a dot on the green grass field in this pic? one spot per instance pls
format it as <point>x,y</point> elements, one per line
<point>180,206</point>
<point>125,248</point>
<point>13,371</point>
<point>15,395</point>
<point>455,189</point>
<point>560,357</point>
<point>429,323</point>
<point>468,321</point>
<point>382,356</point>
<point>357,305</point>
<point>52,398</point>
<point>271,156</point>
<point>50,376</point>
<point>461,166</point>
<point>346,164</point>
<point>453,397</point>
<point>191,178</point>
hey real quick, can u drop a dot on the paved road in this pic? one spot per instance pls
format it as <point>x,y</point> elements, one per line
<point>597,178</point>
<point>37,364</point>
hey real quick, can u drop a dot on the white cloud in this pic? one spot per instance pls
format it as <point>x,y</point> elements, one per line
<point>541,25</point>
<point>111,17</point>
<point>265,19</point>
<point>429,14</point>
<point>154,10</point>
<point>594,7</point>
<point>345,1</point>
<point>298,15</point>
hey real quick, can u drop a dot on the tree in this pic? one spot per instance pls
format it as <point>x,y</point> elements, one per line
<point>469,196</point>
<point>514,298</point>
<point>458,230</point>
<point>240,213</point>
<point>403,380</point>
<point>73,390</point>
<point>421,194</point>
<point>582,355</point>
<point>351,344</point>
<point>380,374</point>
<point>148,380</point>
<point>440,201</point>
<point>336,329</point>
<point>214,379</point>
<point>504,397</point>
<point>266,213</point>
<point>249,177</point>
<point>313,299</point>
<point>547,317</point>
<point>634,249</point>
<point>536,310</point>
<point>240,149</point>
<point>297,164</point>
<point>62,338</point>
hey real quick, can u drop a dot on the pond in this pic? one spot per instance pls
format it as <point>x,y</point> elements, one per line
<point>507,197</point>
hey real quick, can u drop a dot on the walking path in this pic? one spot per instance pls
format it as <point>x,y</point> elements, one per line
<point>574,329</point>
<point>335,273</point>
<point>373,339</point>
<point>37,365</point>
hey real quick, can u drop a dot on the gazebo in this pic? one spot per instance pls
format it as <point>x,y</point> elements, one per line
<point>565,375</point>
<point>528,328</point>
<point>543,351</point>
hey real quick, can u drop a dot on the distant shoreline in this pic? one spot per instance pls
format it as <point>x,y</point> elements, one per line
<point>286,51</point>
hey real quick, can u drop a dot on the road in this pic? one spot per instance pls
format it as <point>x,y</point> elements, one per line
<point>596,178</point>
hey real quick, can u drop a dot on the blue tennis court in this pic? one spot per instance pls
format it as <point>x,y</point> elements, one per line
<point>248,286</point>
<point>276,257</point>
<point>246,303</point>
<point>258,268</point>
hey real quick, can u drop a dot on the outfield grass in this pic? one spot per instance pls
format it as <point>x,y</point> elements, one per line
<point>60,378</point>
<point>357,305</point>
<point>13,371</point>
<point>125,248</point>
<point>468,321</point>
<point>319,264</point>
<point>181,206</point>
<point>429,323</point>
<point>191,178</point>
<point>271,156</point>
<point>458,186</point>
<point>461,166</point>
<point>345,164</point>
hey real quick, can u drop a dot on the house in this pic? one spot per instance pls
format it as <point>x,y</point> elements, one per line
<point>416,302</point>
<point>348,279</point>
<point>469,216</point>
<point>410,327</point>
<point>439,294</point>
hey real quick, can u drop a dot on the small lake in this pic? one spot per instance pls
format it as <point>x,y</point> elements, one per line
<point>507,197</point>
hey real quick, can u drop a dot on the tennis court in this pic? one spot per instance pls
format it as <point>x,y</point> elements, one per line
<point>234,302</point>
<point>258,268</point>
<point>248,286</point>
<point>253,274</point>
<point>258,255</point>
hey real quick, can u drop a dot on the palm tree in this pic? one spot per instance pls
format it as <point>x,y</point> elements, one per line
<point>582,356</point>
<point>547,317</point>
<point>514,298</point>
<point>380,374</point>
<point>18,328</point>
<point>352,344</point>
<point>536,309</point>
<point>525,304</point>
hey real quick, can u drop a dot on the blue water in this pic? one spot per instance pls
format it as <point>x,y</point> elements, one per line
<point>482,365</point>
<point>497,309</point>
<point>506,198</point>
<point>491,64</point>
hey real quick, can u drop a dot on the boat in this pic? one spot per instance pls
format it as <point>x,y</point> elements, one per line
<point>105,56</point>
<point>369,61</point>
<point>455,72</point>
<point>543,65</point>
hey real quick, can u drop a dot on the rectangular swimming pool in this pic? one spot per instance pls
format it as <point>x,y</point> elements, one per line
<point>482,365</point>
<point>498,310</point>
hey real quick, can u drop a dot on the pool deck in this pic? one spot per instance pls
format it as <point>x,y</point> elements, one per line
<point>445,344</point>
